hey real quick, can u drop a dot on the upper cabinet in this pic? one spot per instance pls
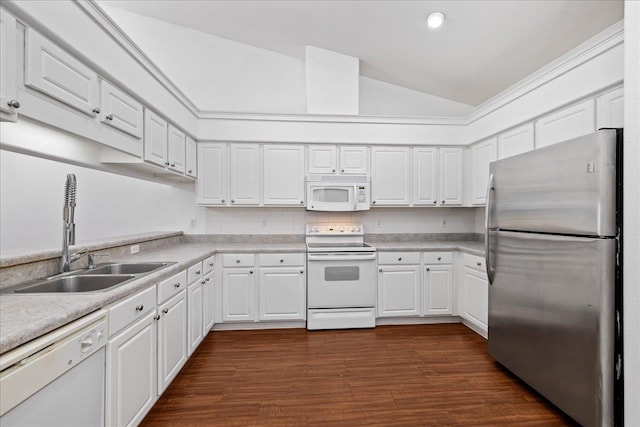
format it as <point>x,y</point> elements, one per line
<point>610,109</point>
<point>244,179</point>
<point>482,154</point>
<point>283,180</point>
<point>119,110</point>
<point>191,156</point>
<point>155,139</point>
<point>565,124</point>
<point>176,149</point>
<point>345,160</point>
<point>425,176</point>
<point>450,185</point>
<point>516,141</point>
<point>8,85</point>
<point>390,176</point>
<point>212,180</point>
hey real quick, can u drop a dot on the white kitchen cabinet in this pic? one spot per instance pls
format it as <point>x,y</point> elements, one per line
<point>8,68</point>
<point>398,290</point>
<point>610,109</point>
<point>567,123</point>
<point>282,293</point>
<point>155,139</point>
<point>354,160</point>
<point>450,176</point>
<point>475,299</point>
<point>390,176</point>
<point>516,141</point>
<point>437,290</point>
<point>482,154</point>
<point>120,111</point>
<point>131,373</point>
<point>208,308</point>
<point>211,184</point>
<point>238,294</point>
<point>54,72</point>
<point>195,310</point>
<point>244,179</point>
<point>323,159</point>
<point>425,176</point>
<point>283,177</point>
<point>191,164</point>
<point>176,149</point>
<point>172,339</point>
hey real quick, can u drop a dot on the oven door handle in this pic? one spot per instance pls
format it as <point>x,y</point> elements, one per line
<point>345,257</point>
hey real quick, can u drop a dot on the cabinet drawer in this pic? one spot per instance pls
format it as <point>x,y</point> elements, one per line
<point>391,258</point>
<point>238,260</point>
<point>171,286</point>
<point>132,308</point>
<point>194,272</point>
<point>475,262</point>
<point>208,264</point>
<point>272,260</point>
<point>438,257</point>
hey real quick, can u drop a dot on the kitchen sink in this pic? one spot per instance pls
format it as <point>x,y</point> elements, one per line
<point>77,283</point>
<point>137,268</point>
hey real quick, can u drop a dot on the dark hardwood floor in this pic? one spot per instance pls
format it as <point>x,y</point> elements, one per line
<point>418,375</point>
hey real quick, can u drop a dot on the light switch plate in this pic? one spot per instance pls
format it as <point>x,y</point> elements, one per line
<point>135,249</point>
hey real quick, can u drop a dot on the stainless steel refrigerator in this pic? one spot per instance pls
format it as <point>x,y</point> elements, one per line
<point>553,248</point>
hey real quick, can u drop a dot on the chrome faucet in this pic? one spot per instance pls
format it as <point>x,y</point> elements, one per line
<point>68,226</point>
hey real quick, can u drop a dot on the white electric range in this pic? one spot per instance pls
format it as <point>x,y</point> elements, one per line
<point>342,279</point>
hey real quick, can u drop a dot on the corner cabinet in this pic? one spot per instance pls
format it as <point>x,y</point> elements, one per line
<point>283,180</point>
<point>390,176</point>
<point>8,68</point>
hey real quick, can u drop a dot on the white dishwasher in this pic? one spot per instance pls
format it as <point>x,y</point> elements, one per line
<point>57,379</point>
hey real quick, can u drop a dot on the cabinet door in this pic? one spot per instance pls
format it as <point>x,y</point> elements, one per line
<point>322,159</point>
<point>59,75</point>
<point>131,373</point>
<point>208,315</point>
<point>172,339</point>
<point>245,174</point>
<point>212,174</point>
<point>155,138</point>
<point>195,307</point>
<point>283,175</point>
<point>238,294</point>
<point>190,166</point>
<point>610,109</point>
<point>565,124</point>
<point>354,160</point>
<point>398,291</point>
<point>390,176</point>
<point>450,184</point>
<point>438,290</point>
<point>282,293</point>
<point>8,67</point>
<point>482,154</point>
<point>425,176</point>
<point>475,299</point>
<point>119,110</point>
<point>516,141</point>
<point>177,149</point>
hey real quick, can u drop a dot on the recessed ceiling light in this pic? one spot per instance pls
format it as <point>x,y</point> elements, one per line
<point>435,19</point>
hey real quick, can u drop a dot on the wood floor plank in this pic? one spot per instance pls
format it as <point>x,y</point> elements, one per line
<point>414,375</point>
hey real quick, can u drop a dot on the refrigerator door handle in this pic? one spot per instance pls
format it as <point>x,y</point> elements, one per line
<point>487,215</point>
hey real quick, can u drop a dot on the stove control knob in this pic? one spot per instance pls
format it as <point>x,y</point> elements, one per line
<point>353,229</point>
<point>342,229</point>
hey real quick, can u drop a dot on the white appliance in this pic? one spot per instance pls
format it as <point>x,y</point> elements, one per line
<point>342,279</point>
<point>57,379</point>
<point>338,193</point>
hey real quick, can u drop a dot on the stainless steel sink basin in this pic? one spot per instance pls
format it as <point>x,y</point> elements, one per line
<point>74,284</point>
<point>136,268</point>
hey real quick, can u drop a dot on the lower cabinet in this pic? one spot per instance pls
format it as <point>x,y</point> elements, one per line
<point>475,298</point>
<point>172,339</point>
<point>208,294</point>
<point>437,294</point>
<point>398,290</point>
<point>132,373</point>
<point>282,293</point>
<point>195,304</point>
<point>238,294</point>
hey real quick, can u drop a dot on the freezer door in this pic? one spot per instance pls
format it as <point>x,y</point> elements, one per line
<point>551,318</point>
<point>566,188</point>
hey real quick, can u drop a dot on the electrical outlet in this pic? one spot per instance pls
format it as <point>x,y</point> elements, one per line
<point>264,223</point>
<point>443,223</point>
<point>193,223</point>
<point>135,249</point>
<point>379,223</point>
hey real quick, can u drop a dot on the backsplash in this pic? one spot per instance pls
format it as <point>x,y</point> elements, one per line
<point>376,221</point>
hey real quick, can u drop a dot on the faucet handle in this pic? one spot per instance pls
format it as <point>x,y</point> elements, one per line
<point>92,259</point>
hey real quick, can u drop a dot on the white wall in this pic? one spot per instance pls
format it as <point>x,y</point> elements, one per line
<point>631,213</point>
<point>108,205</point>
<point>379,220</point>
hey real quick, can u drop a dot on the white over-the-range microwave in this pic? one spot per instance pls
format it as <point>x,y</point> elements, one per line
<point>337,193</point>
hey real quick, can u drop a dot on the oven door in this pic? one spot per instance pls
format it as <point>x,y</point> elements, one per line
<point>330,197</point>
<point>341,279</point>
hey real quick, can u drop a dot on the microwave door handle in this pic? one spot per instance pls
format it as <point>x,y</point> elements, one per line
<point>355,197</point>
